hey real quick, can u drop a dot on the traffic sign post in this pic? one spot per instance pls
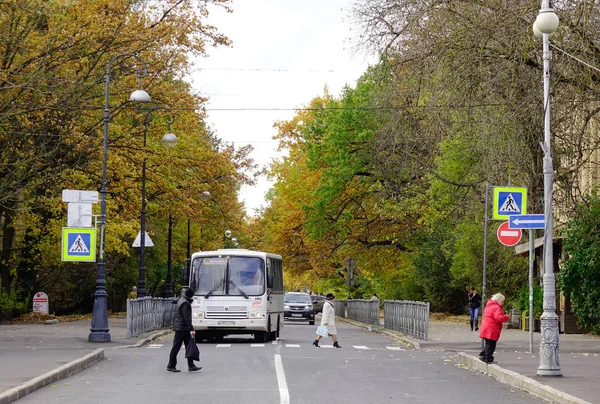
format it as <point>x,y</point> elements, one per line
<point>509,237</point>
<point>509,201</point>
<point>78,244</point>
<point>526,222</point>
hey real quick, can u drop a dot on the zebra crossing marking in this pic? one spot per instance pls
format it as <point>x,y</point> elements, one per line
<point>262,345</point>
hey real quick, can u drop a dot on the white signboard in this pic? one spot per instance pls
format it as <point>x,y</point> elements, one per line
<point>79,214</point>
<point>73,195</point>
<point>138,240</point>
<point>40,303</point>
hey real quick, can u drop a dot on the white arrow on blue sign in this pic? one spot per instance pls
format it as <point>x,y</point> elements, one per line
<point>526,222</point>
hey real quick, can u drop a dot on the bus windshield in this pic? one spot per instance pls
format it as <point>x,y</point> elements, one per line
<point>228,276</point>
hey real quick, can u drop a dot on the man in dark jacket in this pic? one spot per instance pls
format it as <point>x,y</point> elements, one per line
<point>184,331</point>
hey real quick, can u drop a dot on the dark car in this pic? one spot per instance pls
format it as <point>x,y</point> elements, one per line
<point>318,302</point>
<point>298,306</point>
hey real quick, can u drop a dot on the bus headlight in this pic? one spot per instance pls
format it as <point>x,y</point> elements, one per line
<point>257,314</point>
<point>198,314</point>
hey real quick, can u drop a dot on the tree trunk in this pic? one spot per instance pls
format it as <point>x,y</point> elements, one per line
<point>8,235</point>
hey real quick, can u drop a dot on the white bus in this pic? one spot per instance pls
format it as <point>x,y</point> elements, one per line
<point>237,292</point>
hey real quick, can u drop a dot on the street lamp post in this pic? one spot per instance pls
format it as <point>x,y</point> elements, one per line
<point>169,283</point>
<point>168,140</point>
<point>546,24</point>
<point>99,331</point>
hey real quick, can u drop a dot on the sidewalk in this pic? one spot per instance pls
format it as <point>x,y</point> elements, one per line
<point>34,355</point>
<point>579,357</point>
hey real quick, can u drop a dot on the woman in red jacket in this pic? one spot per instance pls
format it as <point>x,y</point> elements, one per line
<point>491,326</point>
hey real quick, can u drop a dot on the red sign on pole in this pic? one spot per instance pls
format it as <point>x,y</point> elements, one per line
<point>509,237</point>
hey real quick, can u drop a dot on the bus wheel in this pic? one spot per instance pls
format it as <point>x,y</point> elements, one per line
<point>260,336</point>
<point>278,328</point>
<point>272,333</point>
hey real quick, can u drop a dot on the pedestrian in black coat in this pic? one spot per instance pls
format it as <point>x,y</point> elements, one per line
<point>474,304</point>
<point>184,331</point>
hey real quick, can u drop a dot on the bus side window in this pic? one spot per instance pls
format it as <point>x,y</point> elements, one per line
<point>269,274</point>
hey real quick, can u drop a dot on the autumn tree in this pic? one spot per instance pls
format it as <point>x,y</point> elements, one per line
<point>54,60</point>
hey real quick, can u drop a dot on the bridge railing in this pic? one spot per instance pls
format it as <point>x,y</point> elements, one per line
<point>365,311</point>
<point>148,313</point>
<point>408,317</point>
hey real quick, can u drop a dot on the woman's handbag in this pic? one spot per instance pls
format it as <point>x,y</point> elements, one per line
<point>192,351</point>
<point>322,331</point>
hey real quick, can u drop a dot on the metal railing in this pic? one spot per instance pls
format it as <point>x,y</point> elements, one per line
<point>365,311</point>
<point>407,316</point>
<point>339,308</point>
<point>148,313</point>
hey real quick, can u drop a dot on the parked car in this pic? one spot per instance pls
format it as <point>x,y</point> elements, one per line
<point>298,306</point>
<point>318,302</point>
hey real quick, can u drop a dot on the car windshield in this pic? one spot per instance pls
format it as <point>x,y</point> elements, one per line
<point>297,298</point>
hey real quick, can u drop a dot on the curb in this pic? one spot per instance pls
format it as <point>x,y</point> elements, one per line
<point>148,340</point>
<point>38,382</point>
<point>518,381</point>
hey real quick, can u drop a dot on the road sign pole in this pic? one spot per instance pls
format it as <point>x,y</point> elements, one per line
<point>531,262</point>
<point>485,237</point>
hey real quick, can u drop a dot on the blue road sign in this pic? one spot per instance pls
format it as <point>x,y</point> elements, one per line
<point>509,201</point>
<point>526,222</point>
<point>78,244</point>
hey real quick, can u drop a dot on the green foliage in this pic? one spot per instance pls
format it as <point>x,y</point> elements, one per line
<point>432,262</point>
<point>579,279</point>
<point>538,300</point>
<point>10,306</point>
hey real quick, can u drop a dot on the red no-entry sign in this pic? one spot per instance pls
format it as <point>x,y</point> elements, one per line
<point>509,237</point>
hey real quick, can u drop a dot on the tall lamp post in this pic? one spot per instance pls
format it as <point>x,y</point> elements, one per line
<point>169,140</point>
<point>169,283</point>
<point>99,331</point>
<point>546,24</point>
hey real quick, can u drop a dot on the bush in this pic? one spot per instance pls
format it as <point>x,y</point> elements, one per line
<point>538,300</point>
<point>10,307</point>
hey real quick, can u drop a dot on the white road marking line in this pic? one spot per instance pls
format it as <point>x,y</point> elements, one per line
<point>394,348</point>
<point>292,345</point>
<point>359,347</point>
<point>223,345</point>
<point>257,345</point>
<point>284,393</point>
<point>155,345</point>
<point>326,346</point>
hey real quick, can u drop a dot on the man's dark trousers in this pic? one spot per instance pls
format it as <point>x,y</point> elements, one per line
<point>180,337</point>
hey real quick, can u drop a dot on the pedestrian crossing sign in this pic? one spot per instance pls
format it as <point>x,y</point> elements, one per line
<point>78,244</point>
<point>509,201</point>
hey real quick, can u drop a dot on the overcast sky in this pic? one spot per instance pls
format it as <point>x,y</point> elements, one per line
<point>284,53</point>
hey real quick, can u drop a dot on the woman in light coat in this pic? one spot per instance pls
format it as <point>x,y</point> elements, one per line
<point>328,320</point>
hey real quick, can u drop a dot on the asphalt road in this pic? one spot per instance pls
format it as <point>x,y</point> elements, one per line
<point>370,368</point>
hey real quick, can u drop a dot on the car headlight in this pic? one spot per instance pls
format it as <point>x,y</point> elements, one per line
<point>286,307</point>
<point>308,307</point>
